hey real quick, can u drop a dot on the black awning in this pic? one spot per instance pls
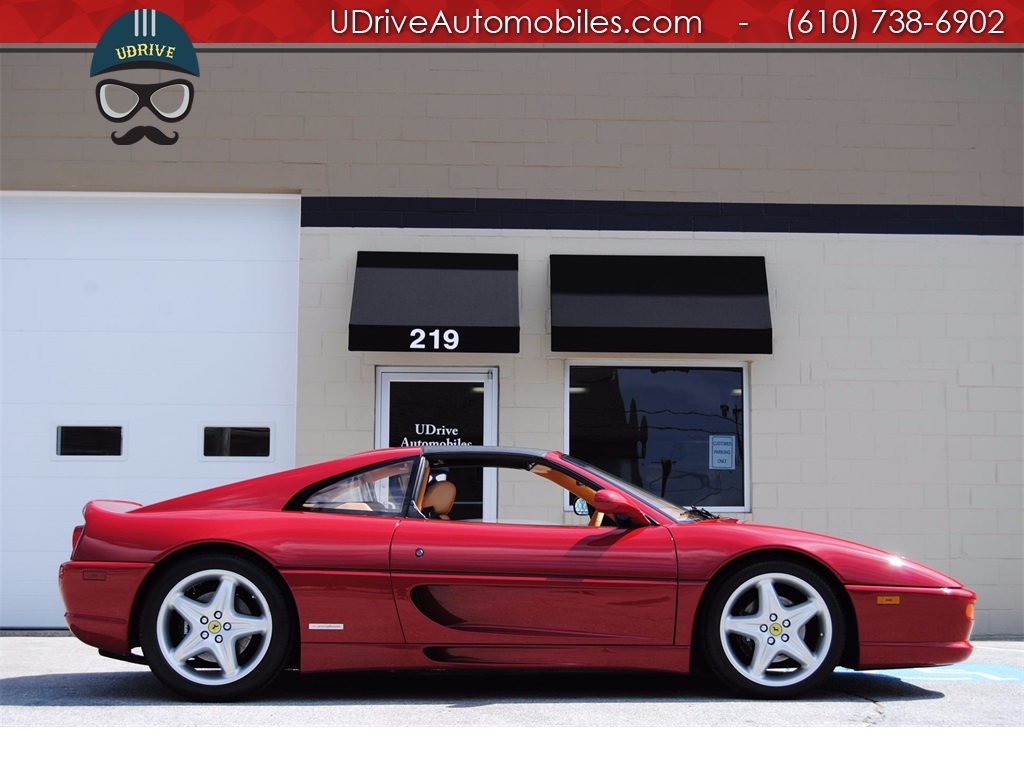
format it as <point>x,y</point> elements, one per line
<point>435,302</point>
<point>695,304</point>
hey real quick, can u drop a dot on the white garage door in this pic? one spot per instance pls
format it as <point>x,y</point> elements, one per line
<point>148,348</point>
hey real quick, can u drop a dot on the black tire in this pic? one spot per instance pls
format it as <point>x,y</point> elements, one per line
<point>773,630</point>
<point>215,628</point>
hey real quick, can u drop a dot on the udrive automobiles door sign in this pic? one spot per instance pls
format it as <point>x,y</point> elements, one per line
<point>442,434</point>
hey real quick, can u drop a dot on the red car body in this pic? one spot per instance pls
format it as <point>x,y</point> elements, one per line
<point>329,588</point>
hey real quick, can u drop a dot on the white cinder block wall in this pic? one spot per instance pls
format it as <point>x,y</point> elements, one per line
<point>889,412</point>
<point>891,409</point>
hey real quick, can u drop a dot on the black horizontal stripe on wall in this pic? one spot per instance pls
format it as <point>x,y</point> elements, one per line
<point>627,215</point>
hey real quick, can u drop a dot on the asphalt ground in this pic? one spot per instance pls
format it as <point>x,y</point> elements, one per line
<point>58,681</point>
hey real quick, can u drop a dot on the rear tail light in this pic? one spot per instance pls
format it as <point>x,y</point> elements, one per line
<point>75,536</point>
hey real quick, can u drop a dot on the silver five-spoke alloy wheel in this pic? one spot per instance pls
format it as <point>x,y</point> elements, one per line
<point>775,630</point>
<point>216,617</point>
<point>215,628</point>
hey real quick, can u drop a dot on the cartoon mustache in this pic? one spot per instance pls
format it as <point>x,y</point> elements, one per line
<point>140,132</point>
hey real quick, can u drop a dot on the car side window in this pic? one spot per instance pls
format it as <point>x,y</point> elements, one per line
<point>528,494</point>
<point>380,490</point>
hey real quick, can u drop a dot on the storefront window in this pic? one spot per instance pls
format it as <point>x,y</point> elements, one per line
<point>677,432</point>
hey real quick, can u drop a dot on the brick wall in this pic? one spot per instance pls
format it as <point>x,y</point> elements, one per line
<point>889,412</point>
<point>863,126</point>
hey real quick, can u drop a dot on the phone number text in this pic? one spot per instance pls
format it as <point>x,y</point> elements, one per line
<point>887,24</point>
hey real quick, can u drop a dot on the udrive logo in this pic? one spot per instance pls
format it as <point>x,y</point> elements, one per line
<point>138,45</point>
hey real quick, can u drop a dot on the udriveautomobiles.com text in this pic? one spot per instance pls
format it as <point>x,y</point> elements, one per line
<point>443,24</point>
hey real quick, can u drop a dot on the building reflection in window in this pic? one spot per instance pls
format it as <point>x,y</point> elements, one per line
<point>675,431</point>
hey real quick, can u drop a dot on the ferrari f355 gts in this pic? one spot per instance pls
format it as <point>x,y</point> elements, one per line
<point>391,559</point>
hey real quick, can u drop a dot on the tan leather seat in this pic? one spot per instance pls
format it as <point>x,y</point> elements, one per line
<point>441,497</point>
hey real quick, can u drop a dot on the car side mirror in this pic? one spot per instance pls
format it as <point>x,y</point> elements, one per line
<point>613,502</point>
<point>580,507</point>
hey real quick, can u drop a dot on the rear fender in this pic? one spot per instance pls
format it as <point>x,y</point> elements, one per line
<point>213,549</point>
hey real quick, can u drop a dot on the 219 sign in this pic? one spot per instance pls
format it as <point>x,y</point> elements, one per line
<point>435,338</point>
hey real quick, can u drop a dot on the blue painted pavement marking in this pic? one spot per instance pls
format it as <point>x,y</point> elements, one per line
<point>975,673</point>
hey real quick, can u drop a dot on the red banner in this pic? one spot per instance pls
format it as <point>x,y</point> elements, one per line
<point>546,22</point>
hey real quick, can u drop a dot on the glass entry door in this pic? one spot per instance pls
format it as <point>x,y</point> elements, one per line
<point>449,407</point>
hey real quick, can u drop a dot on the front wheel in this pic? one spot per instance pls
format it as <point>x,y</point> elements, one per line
<point>773,630</point>
<point>215,628</point>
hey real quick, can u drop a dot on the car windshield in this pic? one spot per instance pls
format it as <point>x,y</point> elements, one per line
<point>683,514</point>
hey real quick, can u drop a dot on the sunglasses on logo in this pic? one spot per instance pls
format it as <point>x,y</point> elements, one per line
<point>120,101</point>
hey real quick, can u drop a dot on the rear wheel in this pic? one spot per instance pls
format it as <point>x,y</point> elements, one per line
<point>774,629</point>
<point>215,628</point>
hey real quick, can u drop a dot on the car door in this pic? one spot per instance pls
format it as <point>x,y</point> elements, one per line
<point>461,582</point>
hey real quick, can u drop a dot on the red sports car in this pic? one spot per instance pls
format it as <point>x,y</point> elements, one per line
<point>373,562</point>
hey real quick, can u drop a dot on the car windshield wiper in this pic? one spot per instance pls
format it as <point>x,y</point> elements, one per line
<point>700,513</point>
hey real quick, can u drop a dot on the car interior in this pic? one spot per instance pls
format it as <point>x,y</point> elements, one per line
<point>450,487</point>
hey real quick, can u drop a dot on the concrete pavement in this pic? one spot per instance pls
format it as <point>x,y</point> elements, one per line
<point>58,681</point>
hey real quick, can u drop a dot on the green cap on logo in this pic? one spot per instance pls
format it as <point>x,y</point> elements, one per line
<point>144,38</point>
